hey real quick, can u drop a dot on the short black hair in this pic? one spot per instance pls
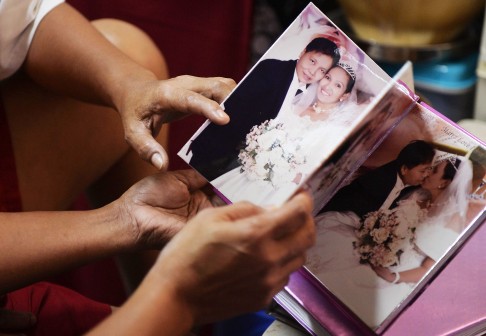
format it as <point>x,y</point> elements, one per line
<point>324,46</point>
<point>415,153</point>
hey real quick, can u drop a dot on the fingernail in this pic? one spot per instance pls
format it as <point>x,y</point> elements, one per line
<point>220,113</point>
<point>157,160</point>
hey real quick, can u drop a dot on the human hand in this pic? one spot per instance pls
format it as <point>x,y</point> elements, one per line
<point>234,259</point>
<point>146,105</point>
<point>158,206</point>
<point>383,273</point>
<point>15,322</point>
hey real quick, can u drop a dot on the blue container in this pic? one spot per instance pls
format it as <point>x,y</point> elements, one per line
<point>448,86</point>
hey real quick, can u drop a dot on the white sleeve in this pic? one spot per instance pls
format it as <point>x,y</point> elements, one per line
<point>18,22</point>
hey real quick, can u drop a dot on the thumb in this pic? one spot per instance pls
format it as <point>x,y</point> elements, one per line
<point>191,178</point>
<point>148,148</point>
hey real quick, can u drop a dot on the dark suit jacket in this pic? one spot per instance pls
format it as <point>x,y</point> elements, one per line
<point>366,193</point>
<point>259,97</point>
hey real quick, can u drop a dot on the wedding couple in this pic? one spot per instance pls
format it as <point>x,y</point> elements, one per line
<point>416,219</point>
<point>278,135</point>
<point>269,87</point>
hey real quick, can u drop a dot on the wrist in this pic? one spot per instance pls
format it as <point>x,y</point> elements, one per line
<point>396,277</point>
<point>164,293</point>
<point>118,233</point>
<point>125,83</point>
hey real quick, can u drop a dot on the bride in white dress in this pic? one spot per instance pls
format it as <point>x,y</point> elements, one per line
<point>374,292</point>
<point>281,152</point>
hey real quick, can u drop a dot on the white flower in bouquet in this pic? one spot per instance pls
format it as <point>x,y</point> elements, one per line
<point>271,156</point>
<point>403,229</point>
<point>384,234</point>
<point>380,235</point>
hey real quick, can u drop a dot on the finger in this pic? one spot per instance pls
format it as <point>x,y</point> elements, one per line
<point>192,103</point>
<point>282,274</point>
<point>290,216</point>
<point>142,141</point>
<point>293,246</point>
<point>298,243</point>
<point>193,95</point>
<point>16,321</point>
<point>215,88</point>
<point>237,215</point>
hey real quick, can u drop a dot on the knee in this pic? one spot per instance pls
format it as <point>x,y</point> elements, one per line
<point>135,43</point>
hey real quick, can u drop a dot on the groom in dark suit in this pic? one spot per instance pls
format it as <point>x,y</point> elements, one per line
<point>259,97</point>
<point>382,187</point>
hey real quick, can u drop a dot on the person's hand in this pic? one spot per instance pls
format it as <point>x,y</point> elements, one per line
<point>146,105</point>
<point>158,206</point>
<point>384,273</point>
<point>234,259</point>
<point>14,322</point>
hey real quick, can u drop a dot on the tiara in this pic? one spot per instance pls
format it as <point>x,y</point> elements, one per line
<point>348,69</point>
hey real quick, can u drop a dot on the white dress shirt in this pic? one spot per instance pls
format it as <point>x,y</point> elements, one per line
<point>394,193</point>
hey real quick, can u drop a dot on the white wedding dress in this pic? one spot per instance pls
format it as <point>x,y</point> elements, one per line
<point>311,141</point>
<point>335,264</point>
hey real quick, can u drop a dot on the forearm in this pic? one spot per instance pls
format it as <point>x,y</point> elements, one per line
<point>68,55</point>
<point>39,244</point>
<point>416,274</point>
<point>154,309</point>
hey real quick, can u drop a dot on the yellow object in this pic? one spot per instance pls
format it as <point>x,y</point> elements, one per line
<point>410,22</point>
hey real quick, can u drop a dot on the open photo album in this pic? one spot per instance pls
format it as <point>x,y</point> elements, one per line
<point>398,188</point>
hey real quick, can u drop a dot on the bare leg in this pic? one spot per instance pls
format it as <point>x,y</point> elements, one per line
<point>64,147</point>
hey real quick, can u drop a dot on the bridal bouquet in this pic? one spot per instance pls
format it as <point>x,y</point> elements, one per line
<point>384,234</point>
<point>271,155</point>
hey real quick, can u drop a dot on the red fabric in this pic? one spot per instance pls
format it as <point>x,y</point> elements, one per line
<point>200,38</point>
<point>59,311</point>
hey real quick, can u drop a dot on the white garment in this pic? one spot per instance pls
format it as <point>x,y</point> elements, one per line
<point>290,97</point>
<point>334,263</point>
<point>394,193</point>
<point>314,140</point>
<point>434,239</point>
<point>19,20</point>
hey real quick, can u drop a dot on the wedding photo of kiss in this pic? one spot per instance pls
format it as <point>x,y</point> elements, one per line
<point>397,217</point>
<point>294,108</point>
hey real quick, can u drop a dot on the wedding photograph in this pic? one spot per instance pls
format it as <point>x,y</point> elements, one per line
<point>289,114</point>
<point>384,231</point>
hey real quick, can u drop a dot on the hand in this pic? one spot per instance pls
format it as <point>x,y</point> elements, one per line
<point>158,206</point>
<point>234,259</point>
<point>146,105</point>
<point>384,273</point>
<point>14,322</point>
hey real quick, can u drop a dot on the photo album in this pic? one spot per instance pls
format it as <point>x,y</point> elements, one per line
<point>398,187</point>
